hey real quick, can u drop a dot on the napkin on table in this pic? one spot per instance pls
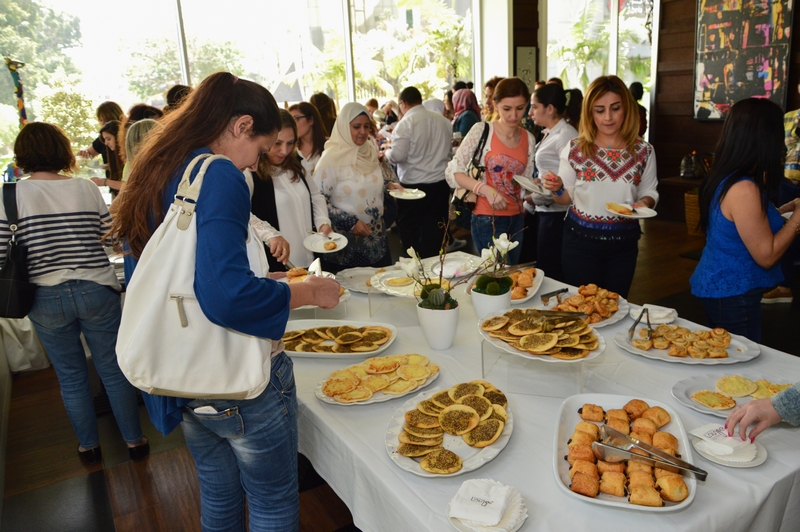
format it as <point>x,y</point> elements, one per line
<point>657,314</point>
<point>715,441</point>
<point>480,501</point>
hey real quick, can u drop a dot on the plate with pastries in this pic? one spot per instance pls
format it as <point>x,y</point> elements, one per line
<point>337,338</point>
<point>625,210</point>
<point>627,484</point>
<point>718,394</point>
<point>560,340</point>
<point>319,243</point>
<point>684,342</point>
<point>377,379</point>
<point>298,275</point>
<point>603,306</point>
<point>450,432</point>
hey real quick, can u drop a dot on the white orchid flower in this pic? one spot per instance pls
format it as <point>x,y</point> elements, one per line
<point>412,253</point>
<point>487,256</point>
<point>409,267</point>
<point>503,244</point>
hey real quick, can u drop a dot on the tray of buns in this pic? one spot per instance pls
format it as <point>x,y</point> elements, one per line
<point>684,342</point>
<point>569,340</point>
<point>377,379</point>
<point>337,338</point>
<point>602,306</point>
<point>716,394</point>
<point>626,485</point>
<point>451,431</point>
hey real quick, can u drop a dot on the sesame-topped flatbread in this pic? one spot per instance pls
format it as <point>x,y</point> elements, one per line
<point>415,418</point>
<point>485,434</point>
<point>458,419</point>
<point>714,400</point>
<point>291,335</point>
<point>442,399</point>
<point>441,462</point>
<point>424,433</point>
<point>494,323</point>
<point>405,437</point>
<point>376,337</point>
<point>465,388</point>
<point>348,338</point>
<point>480,404</point>
<point>429,407</point>
<point>496,397</point>
<point>412,451</point>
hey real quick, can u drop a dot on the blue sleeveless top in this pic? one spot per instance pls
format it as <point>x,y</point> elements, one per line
<point>726,267</point>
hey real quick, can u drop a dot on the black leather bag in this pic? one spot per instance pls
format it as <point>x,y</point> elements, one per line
<point>463,199</point>
<point>16,293</point>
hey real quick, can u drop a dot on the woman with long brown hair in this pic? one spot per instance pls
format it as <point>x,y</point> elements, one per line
<point>239,446</point>
<point>286,199</point>
<point>327,110</point>
<point>311,135</point>
<point>608,162</point>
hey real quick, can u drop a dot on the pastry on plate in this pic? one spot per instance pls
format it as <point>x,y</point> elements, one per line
<point>736,386</point>
<point>714,400</point>
<point>441,462</point>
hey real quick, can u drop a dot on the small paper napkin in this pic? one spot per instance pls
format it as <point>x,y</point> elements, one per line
<point>657,314</point>
<point>480,501</point>
<point>715,441</point>
<point>513,516</point>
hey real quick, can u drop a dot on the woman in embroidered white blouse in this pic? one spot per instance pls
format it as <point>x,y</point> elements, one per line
<point>608,162</point>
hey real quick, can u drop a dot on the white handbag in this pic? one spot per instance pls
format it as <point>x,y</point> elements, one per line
<point>166,345</point>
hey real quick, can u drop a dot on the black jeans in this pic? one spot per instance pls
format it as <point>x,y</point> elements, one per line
<point>549,241</point>
<point>738,314</point>
<point>607,263</point>
<point>418,220</point>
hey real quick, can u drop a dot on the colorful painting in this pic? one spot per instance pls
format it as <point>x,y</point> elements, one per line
<point>742,51</point>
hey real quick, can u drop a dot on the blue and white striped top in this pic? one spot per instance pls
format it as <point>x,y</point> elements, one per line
<point>61,222</point>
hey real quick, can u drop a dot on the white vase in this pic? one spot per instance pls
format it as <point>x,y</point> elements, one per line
<point>485,304</point>
<point>438,326</point>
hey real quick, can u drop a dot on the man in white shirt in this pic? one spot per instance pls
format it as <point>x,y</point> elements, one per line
<point>421,149</point>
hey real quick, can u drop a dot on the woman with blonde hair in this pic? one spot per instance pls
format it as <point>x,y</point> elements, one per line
<point>608,162</point>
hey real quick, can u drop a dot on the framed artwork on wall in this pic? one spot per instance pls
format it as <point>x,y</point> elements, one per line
<point>526,64</point>
<point>741,51</point>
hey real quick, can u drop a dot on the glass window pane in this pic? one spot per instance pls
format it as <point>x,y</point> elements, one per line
<point>399,43</point>
<point>633,61</point>
<point>577,41</point>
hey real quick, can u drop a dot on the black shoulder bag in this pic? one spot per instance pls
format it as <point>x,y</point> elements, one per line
<point>463,199</point>
<point>16,293</point>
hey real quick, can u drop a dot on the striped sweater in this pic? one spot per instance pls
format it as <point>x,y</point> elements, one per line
<point>61,222</point>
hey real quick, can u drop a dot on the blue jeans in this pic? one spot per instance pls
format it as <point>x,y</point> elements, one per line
<point>59,315</point>
<point>248,447</point>
<point>738,314</point>
<point>482,232</point>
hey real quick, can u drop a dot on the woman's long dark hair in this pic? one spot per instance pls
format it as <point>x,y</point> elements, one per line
<point>553,95</point>
<point>318,134</point>
<point>266,170</point>
<point>203,118</point>
<point>751,145</point>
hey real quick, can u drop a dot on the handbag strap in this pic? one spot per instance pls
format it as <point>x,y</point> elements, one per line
<point>476,157</point>
<point>187,195</point>
<point>10,205</point>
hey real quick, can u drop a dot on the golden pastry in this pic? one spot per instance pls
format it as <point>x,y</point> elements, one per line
<point>585,467</point>
<point>657,415</point>
<point>485,434</point>
<point>458,419</point>
<point>645,496</point>
<point>441,462</point>
<point>672,488</point>
<point>715,400</point>
<point>584,484</point>
<point>635,407</point>
<point>736,386</point>
<point>613,483</point>
<point>590,412</point>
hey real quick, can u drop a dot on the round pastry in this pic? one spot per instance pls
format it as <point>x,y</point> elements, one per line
<point>330,245</point>
<point>458,419</point>
<point>496,397</point>
<point>644,345</point>
<point>635,408</point>
<point>499,413</point>
<point>399,281</point>
<point>441,462</point>
<point>736,386</point>
<point>485,434</point>
<point>661,343</point>
<point>363,346</point>
<point>415,418</point>
<point>442,399</point>
<point>405,437</point>
<point>348,338</point>
<point>376,366</point>
<point>492,324</point>
<point>400,386</point>
<point>412,373</point>
<point>333,387</point>
<point>424,433</point>
<point>323,348</point>
<point>429,408</point>
<point>678,351</point>
<point>465,388</point>
<point>418,360</point>
<point>715,400</point>
<point>696,352</point>
<point>412,451</point>
<point>291,335</point>
<point>296,272</point>
<point>480,404</point>
<point>375,383</point>
<point>360,393</point>
<point>376,337</point>
<point>657,415</point>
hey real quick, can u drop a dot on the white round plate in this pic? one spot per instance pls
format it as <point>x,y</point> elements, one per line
<point>568,418</point>
<point>471,457</point>
<point>408,194</point>
<point>344,297</point>
<point>761,457</point>
<point>624,308</point>
<point>683,390</point>
<point>378,282</point>
<point>294,325</point>
<point>641,212</point>
<point>355,279</point>
<point>740,350</point>
<point>538,279</point>
<point>530,186</point>
<point>377,397</point>
<point>498,343</point>
<point>454,267</point>
<point>316,243</point>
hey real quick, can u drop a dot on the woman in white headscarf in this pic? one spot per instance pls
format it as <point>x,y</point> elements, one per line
<point>354,182</point>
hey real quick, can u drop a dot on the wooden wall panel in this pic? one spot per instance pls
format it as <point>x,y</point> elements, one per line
<point>526,26</point>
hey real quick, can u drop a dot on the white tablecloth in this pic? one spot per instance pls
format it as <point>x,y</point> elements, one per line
<point>346,443</point>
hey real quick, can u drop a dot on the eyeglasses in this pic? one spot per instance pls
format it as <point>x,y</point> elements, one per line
<point>298,117</point>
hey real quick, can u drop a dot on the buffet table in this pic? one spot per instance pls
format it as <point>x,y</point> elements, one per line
<point>346,443</point>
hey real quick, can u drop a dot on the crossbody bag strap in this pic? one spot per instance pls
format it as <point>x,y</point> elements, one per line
<point>193,191</point>
<point>10,205</point>
<point>476,157</point>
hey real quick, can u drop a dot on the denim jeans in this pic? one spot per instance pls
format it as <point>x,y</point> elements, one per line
<point>248,447</point>
<point>59,315</point>
<point>738,314</point>
<point>511,225</point>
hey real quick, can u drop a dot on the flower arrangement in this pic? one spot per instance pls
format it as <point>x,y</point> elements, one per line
<point>435,293</point>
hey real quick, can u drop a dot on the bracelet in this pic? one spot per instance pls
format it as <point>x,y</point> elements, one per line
<point>795,224</point>
<point>559,192</point>
<point>477,187</point>
<point>105,181</point>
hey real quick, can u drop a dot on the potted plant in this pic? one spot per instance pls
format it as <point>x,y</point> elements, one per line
<point>492,289</point>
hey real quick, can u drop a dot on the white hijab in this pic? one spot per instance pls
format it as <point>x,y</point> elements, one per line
<point>341,151</point>
<point>434,104</point>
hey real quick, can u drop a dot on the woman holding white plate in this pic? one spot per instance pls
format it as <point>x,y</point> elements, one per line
<point>548,107</point>
<point>286,198</point>
<point>608,162</point>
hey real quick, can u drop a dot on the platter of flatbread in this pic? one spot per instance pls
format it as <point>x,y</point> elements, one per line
<point>717,394</point>
<point>569,340</point>
<point>684,342</point>
<point>377,379</point>
<point>337,338</point>
<point>625,485</point>
<point>450,431</point>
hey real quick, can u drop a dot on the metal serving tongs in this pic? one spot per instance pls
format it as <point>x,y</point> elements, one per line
<point>546,297</point>
<point>646,313</point>
<point>509,269</point>
<point>617,446</point>
<point>549,318</point>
